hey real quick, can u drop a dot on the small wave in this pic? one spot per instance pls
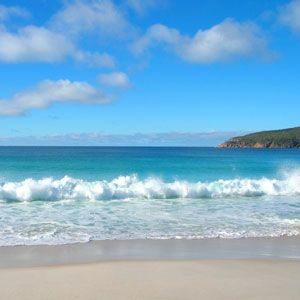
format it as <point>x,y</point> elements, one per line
<point>125,187</point>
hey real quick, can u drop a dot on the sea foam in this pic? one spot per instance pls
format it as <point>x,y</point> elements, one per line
<point>131,187</point>
<point>69,210</point>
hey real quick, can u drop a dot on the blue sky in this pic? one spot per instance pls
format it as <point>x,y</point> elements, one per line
<point>146,72</point>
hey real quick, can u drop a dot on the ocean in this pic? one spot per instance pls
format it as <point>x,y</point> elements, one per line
<point>61,195</point>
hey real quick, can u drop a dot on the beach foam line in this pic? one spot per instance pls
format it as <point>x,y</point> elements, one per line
<point>131,187</point>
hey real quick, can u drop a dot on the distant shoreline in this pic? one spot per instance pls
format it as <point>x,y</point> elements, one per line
<point>283,138</point>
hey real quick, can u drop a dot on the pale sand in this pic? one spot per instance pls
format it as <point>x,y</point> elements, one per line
<point>193,279</point>
<point>254,268</point>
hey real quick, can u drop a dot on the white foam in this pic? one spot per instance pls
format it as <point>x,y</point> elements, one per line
<point>140,209</point>
<point>125,187</point>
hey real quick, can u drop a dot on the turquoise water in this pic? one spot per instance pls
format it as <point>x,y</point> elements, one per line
<point>55,195</point>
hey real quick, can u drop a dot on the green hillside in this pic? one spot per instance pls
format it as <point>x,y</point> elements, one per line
<point>284,138</point>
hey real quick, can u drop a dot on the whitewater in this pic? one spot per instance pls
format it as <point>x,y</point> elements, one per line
<point>70,195</point>
<point>130,187</point>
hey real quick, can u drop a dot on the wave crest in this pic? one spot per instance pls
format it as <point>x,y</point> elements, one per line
<point>125,187</point>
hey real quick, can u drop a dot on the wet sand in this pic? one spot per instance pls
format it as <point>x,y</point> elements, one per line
<point>287,248</point>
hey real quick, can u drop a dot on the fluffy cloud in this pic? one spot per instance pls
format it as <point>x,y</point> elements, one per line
<point>33,43</point>
<point>8,11</point>
<point>39,44</point>
<point>210,138</point>
<point>98,16</point>
<point>48,92</point>
<point>42,44</point>
<point>224,42</point>
<point>290,15</point>
<point>115,79</point>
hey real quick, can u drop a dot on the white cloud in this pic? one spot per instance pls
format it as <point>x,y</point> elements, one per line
<point>39,44</point>
<point>48,92</point>
<point>290,15</point>
<point>33,43</point>
<point>157,34</point>
<point>8,11</point>
<point>98,16</point>
<point>209,138</point>
<point>224,42</point>
<point>115,79</point>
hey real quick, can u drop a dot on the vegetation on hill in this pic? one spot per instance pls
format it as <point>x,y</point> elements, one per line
<point>284,138</point>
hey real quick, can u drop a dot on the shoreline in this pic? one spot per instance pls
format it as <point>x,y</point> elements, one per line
<point>269,248</point>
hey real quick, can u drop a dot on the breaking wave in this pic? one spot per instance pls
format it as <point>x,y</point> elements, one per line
<point>125,187</point>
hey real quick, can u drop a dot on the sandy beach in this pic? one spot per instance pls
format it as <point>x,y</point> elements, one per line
<point>194,279</point>
<point>258,268</point>
<point>149,150</point>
